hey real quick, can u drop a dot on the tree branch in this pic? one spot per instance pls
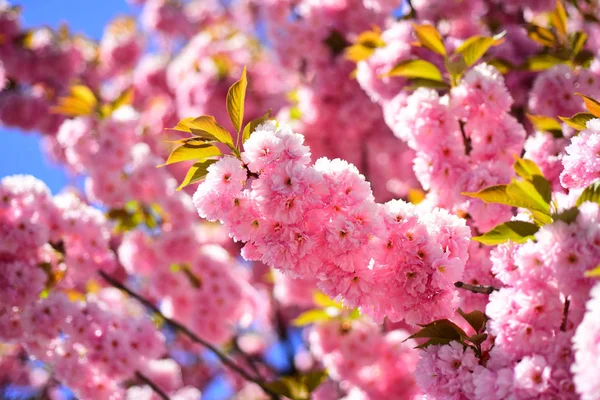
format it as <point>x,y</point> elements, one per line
<point>152,385</point>
<point>412,13</point>
<point>476,288</point>
<point>191,335</point>
<point>466,140</point>
<point>565,320</point>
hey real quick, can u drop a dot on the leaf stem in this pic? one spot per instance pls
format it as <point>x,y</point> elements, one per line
<point>476,288</point>
<point>191,335</point>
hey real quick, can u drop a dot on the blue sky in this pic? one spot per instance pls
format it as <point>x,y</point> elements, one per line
<point>20,153</point>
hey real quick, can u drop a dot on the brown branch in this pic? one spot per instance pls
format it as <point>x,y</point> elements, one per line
<point>152,385</point>
<point>476,288</point>
<point>466,140</point>
<point>412,13</point>
<point>565,320</point>
<point>191,335</point>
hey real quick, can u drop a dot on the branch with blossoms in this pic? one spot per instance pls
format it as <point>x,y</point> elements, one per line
<point>483,289</point>
<point>152,385</point>
<point>191,335</point>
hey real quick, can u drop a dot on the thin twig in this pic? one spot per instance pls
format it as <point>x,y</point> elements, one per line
<point>187,332</point>
<point>565,320</point>
<point>148,382</point>
<point>476,288</point>
<point>466,140</point>
<point>412,13</point>
<point>283,333</point>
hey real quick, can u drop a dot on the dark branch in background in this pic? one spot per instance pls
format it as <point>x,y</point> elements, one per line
<point>476,288</point>
<point>191,335</point>
<point>253,361</point>
<point>250,173</point>
<point>283,333</point>
<point>152,385</point>
<point>412,14</point>
<point>466,140</point>
<point>565,320</point>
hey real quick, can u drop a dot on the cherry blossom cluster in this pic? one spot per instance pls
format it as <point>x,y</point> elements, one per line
<point>532,320</point>
<point>52,248</point>
<point>198,283</point>
<point>367,362</point>
<point>338,73</point>
<point>321,220</point>
<point>309,38</point>
<point>465,141</point>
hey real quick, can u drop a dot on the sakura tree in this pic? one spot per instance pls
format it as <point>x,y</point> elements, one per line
<point>298,199</point>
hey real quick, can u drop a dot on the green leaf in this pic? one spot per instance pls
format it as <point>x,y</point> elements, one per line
<point>543,187</point>
<point>521,194</point>
<point>590,193</point>
<point>196,173</point>
<point>476,319</point>
<point>311,317</point>
<point>568,215</point>
<point>501,65</point>
<point>578,40</point>
<point>441,331</point>
<point>364,46</point>
<point>205,127</point>
<point>541,218</point>
<point>354,314</point>
<point>430,38</point>
<point>516,231</point>
<point>593,273</point>
<point>529,171</point>
<point>592,105</point>
<point>188,152</point>
<point>492,194</point>
<point>427,83</point>
<point>456,66</point>
<point>532,195</point>
<point>286,386</point>
<point>194,141</point>
<point>324,301</point>
<point>542,62</point>
<point>541,35</point>
<point>358,52</point>
<point>125,98</point>
<point>235,101</point>
<point>251,126</point>
<point>416,69</point>
<point>313,379</point>
<point>298,387</point>
<point>544,123</point>
<point>184,125</point>
<point>584,58</point>
<point>80,101</point>
<point>126,218</point>
<point>475,47</point>
<point>578,121</point>
<point>479,338</point>
<point>559,19</point>
<point>526,169</point>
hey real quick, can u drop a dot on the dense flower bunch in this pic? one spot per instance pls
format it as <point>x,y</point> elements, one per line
<point>92,344</point>
<point>386,259</point>
<point>373,364</point>
<point>585,346</point>
<point>415,216</point>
